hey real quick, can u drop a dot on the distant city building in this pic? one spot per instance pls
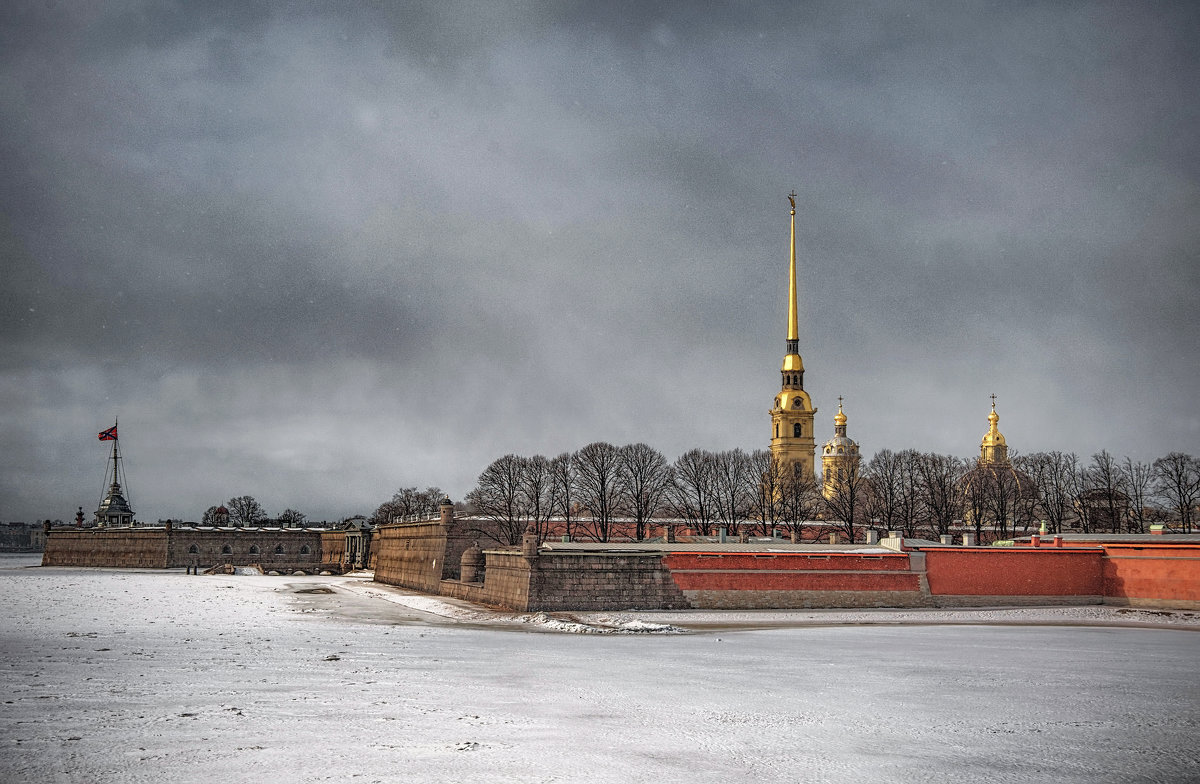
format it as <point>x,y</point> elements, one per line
<point>22,537</point>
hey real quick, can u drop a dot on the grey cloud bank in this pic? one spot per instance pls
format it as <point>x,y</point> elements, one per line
<point>314,255</point>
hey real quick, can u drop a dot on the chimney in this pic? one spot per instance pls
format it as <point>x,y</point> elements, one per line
<point>872,536</point>
<point>968,540</point>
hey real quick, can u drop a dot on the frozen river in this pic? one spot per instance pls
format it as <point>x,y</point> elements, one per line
<point>124,676</point>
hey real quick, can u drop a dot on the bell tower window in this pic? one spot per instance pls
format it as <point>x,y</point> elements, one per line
<point>797,430</point>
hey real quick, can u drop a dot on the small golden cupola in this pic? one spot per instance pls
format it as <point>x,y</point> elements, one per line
<point>839,457</point>
<point>793,444</point>
<point>994,449</point>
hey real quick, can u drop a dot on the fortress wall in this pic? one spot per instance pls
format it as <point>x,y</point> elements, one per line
<point>211,543</point>
<point>1010,575</point>
<point>1152,576</point>
<point>505,583</point>
<point>333,546</point>
<point>410,555</point>
<point>112,547</point>
<point>797,580</point>
<point>601,581</point>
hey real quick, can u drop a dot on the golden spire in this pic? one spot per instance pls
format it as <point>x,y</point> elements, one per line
<point>792,363</point>
<point>793,334</point>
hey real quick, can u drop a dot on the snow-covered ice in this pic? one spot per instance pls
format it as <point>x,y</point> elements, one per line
<point>141,676</point>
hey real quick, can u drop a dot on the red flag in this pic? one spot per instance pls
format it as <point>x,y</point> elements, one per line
<point>109,435</point>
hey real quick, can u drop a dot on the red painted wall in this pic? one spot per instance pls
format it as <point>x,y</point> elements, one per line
<point>791,572</point>
<point>1014,571</point>
<point>1138,571</point>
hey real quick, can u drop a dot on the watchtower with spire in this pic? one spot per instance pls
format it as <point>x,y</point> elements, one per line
<point>793,443</point>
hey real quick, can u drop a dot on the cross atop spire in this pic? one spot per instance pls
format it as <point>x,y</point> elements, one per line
<point>993,401</point>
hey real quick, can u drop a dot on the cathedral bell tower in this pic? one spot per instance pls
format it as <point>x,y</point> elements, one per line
<point>792,440</point>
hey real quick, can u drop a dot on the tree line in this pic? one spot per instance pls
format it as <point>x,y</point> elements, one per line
<point>604,490</point>
<point>246,511</point>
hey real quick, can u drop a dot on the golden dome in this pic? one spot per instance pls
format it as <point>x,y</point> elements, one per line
<point>993,436</point>
<point>793,362</point>
<point>839,418</point>
<point>796,399</point>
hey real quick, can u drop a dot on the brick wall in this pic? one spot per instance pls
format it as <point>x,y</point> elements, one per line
<point>1162,576</point>
<point>797,580</point>
<point>1011,575</point>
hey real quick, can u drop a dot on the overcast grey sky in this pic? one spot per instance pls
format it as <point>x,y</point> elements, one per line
<point>314,253</point>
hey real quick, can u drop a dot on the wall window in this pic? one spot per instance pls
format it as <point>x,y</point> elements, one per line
<point>304,550</point>
<point>279,549</point>
<point>193,550</point>
<point>254,549</point>
<point>797,430</point>
<point>226,550</point>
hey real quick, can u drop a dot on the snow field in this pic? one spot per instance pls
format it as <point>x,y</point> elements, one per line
<point>123,676</point>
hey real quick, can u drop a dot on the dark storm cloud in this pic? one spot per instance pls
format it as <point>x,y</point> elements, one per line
<point>314,253</point>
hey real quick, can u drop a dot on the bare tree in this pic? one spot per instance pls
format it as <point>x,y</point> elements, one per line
<point>1056,478</point>
<point>1003,489</point>
<point>1138,480</point>
<point>646,479</point>
<point>1026,502</point>
<point>884,487</point>
<point>1103,497</point>
<point>764,502</point>
<point>799,497</point>
<point>290,518</point>
<point>892,499</point>
<point>732,487</point>
<point>941,494</point>
<point>537,492</point>
<point>210,516</point>
<point>409,503</point>
<point>1177,482</point>
<point>976,493</point>
<point>845,502</point>
<point>691,496</point>
<point>562,476</point>
<point>245,511</point>
<point>599,481</point>
<point>499,497</point>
